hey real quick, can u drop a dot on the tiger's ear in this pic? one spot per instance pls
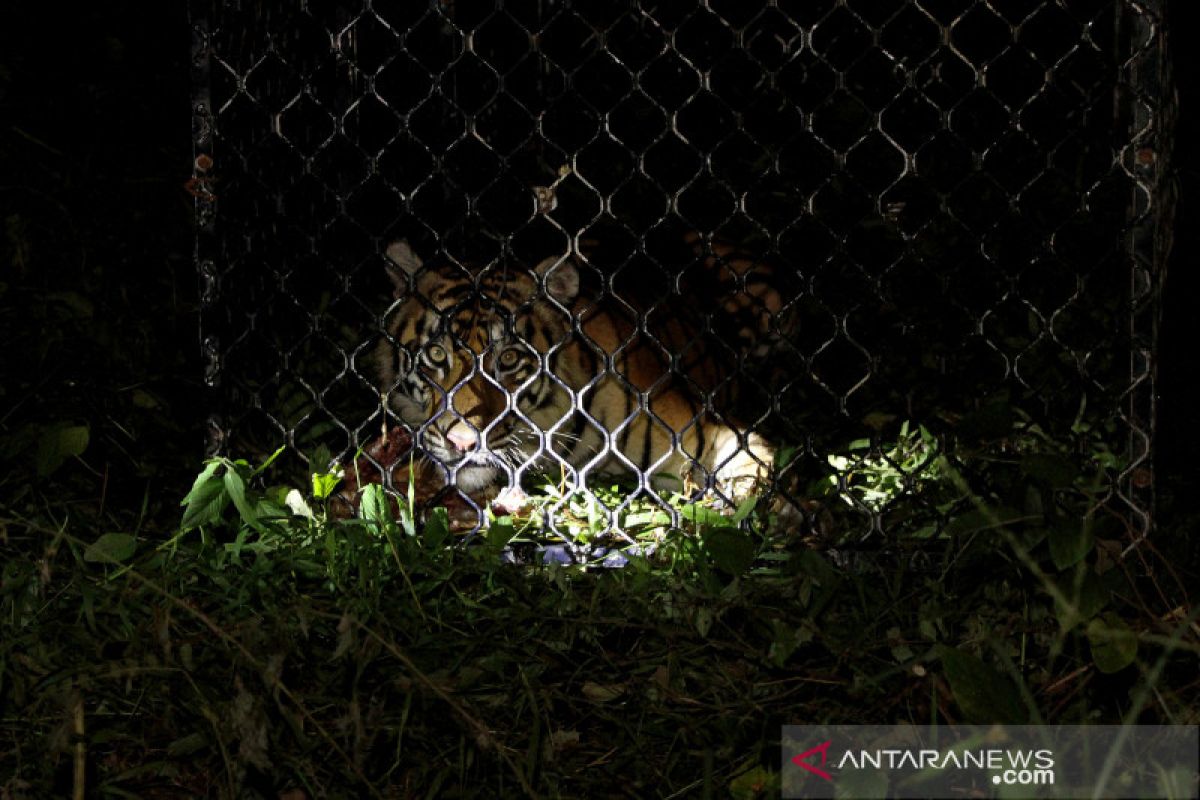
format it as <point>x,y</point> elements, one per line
<point>562,278</point>
<point>402,263</point>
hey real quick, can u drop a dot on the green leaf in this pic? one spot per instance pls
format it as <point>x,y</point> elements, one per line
<point>743,510</point>
<point>754,783</point>
<point>235,547</point>
<point>271,460</point>
<point>602,693</point>
<point>1114,645</point>
<point>207,499</point>
<point>1070,540</point>
<point>143,399</point>
<point>187,745</point>
<point>235,487</point>
<point>500,532</point>
<point>57,444</point>
<point>206,475</point>
<point>731,550</point>
<point>437,528</point>
<point>375,505</point>
<point>784,455</point>
<point>324,483</point>
<point>900,651</point>
<point>111,548</point>
<point>699,514</point>
<point>982,519</point>
<point>984,695</point>
<point>1053,470</point>
<point>646,519</point>
<point>1089,598</point>
<point>267,509</point>
<point>812,564</point>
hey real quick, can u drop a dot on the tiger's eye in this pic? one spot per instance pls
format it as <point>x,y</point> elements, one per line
<point>436,354</point>
<point>508,358</point>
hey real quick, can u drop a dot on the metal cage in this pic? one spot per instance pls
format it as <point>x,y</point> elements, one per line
<point>869,221</point>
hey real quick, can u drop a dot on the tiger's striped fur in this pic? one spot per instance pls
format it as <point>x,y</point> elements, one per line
<point>490,372</point>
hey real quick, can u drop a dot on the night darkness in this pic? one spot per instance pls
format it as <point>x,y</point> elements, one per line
<point>1179,359</point>
<point>101,322</point>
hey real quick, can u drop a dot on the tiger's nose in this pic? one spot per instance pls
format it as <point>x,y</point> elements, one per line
<point>463,440</point>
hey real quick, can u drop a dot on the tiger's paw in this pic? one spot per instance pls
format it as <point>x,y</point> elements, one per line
<point>746,472</point>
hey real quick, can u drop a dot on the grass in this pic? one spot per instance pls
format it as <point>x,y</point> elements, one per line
<point>268,647</point>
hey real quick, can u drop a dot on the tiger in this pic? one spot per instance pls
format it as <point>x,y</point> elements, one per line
<point>496,379</point>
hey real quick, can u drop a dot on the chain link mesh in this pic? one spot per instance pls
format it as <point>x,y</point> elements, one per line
<point>954,201</point>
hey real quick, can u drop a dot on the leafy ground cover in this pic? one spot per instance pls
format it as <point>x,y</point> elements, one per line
<point>264,648</point>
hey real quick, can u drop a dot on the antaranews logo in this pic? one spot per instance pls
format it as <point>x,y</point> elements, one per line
<point>801,760</point>
<point>1008,766</point>
<point>905,761</point>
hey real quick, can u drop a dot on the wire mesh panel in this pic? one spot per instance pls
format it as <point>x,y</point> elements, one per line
<point>716,249</point>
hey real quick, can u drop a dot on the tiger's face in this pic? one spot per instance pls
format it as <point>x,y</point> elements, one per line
<point>467,362</point>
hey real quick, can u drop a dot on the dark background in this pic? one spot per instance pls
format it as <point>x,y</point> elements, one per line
<point>99,295</point>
